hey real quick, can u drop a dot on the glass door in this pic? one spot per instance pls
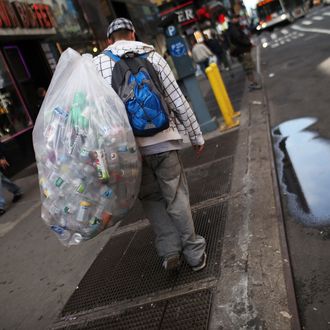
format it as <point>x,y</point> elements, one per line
<point>14,117</point>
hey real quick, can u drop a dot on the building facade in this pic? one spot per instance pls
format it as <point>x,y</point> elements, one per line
<point>33,33</point>
<point>32,36</point>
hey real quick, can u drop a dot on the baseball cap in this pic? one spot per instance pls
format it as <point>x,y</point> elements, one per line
<point>120,24</point>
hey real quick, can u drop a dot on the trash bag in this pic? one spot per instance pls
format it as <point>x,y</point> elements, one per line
<point>88,163</point>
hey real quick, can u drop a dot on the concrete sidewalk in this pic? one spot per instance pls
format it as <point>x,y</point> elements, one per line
<point>247,284</point>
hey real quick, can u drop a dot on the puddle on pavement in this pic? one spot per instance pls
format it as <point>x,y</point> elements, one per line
<point>303,159</point>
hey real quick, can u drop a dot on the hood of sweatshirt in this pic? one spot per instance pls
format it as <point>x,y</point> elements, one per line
<point>122,47</point>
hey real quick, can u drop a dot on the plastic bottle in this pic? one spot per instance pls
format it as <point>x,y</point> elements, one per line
<point>44,187</point>
<point>62,233</point>
<point>84,210</point>
<point>76,239</point>
<point>54,132</point>
<point>79,185</point>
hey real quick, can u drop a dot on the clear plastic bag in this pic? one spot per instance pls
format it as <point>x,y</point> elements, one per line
<point>88,164</point>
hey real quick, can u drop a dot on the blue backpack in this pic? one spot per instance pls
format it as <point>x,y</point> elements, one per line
<point>136,82</point>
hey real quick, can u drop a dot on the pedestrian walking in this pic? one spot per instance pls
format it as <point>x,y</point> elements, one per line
<point>164,190</point>
<point>201,54</point>
<point>240,46</point>
<point>217,49</point>
<point>7,183</point>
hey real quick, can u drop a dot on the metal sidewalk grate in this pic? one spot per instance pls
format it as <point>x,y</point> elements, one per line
<point>209,223</point>
<point>216,148</point>
<point>128,266</point>
<point>147,316</point>
<point>209,181</point>
<point>187,312</point>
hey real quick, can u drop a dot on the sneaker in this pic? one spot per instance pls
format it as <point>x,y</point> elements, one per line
<point>17,197</point>
<point>172,262</point>
<point>201,265</point>
<point>2,211</point>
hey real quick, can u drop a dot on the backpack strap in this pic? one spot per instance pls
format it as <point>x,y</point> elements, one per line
<point>112,55</point>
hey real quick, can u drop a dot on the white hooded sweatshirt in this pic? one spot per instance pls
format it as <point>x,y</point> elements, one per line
<point>182,118</point>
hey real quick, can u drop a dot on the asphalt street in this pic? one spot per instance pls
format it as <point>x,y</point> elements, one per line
<point>295,66</point>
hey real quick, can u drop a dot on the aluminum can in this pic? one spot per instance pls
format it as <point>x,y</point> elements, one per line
<point>100,163</point>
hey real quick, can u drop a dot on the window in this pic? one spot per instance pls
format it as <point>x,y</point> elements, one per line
<point>14,118</point>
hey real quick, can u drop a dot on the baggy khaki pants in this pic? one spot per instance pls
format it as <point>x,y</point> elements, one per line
<point>165,198</point>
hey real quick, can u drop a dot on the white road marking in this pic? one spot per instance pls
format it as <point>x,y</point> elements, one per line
<point>326,13</point>
<point>310,37</point>
<point>274,45</point>
<point>299,28</point>
<point>284,31</point>
<point>8,226</point>
<point>306,22</point>
<point>273,36</point>
<point>318,18</point>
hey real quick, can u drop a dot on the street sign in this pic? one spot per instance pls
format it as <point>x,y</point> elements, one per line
<point>178,49</point>
<point>170,31</point>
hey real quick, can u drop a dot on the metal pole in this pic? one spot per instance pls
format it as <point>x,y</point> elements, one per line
<point>199,106</point>
<point>221,99</point>
<point>223,90</point>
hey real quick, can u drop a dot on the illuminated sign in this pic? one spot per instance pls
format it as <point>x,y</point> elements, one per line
<point>26,16</point>
<point>184,12</point>
<point>264,2</point>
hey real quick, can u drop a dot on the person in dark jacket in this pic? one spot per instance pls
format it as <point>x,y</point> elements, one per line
<point>240,47</point>
<point>217,49</point>
<point>7,183</point>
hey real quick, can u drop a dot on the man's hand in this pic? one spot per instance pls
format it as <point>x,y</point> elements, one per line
<point>3,163</point>
<point>199,149</point>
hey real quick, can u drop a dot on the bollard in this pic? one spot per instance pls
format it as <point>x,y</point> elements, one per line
<point>222,98</point>
<point>224,91</point>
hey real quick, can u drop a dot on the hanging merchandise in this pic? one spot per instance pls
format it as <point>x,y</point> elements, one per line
<point>88,164</point>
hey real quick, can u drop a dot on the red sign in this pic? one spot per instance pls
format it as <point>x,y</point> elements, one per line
<point>185,13</point>
<point>23,15</point>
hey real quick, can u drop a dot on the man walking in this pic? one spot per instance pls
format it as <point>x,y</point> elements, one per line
<point>164,190</point>
<point>240,45</point>
<point>201,54</point>
<point>217,49</point>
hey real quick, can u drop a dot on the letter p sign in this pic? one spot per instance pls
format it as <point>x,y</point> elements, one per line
<point>170,31</point>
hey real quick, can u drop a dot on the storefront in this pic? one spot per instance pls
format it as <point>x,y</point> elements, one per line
<point>23,68</point>
<point>32,36</point>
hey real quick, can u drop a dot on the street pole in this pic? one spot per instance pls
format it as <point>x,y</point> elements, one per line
<point>184,66</point>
